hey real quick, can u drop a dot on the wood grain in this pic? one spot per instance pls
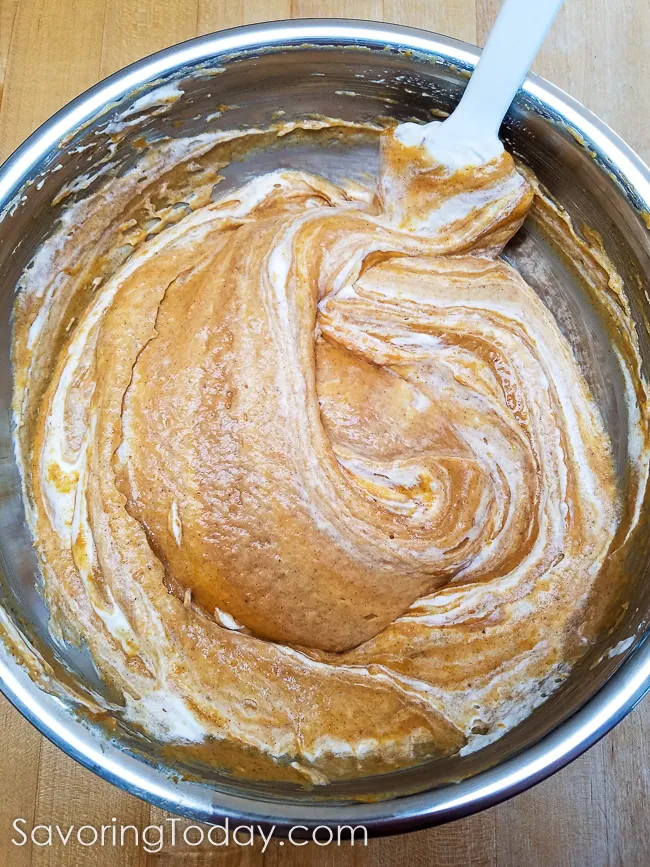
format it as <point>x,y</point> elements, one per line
<point>592,813</point>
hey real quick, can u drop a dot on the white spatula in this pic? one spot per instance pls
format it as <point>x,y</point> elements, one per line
<point>470,135</point>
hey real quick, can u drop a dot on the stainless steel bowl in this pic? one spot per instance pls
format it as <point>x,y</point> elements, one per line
<point>354,70</point>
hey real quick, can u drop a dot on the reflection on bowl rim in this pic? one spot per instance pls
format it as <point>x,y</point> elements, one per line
<point>604,710</point>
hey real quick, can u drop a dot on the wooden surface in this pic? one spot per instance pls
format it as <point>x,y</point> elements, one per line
<point>595,811</point>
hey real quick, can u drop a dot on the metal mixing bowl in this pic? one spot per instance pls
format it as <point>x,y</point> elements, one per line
<point>352,70</point>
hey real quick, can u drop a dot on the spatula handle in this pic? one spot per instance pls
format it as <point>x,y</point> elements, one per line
<point>514,41</point>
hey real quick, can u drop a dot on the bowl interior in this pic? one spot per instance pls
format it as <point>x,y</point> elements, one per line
<point>355,82</point>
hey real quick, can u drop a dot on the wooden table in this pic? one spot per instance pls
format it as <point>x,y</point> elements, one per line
<point>592,813</point>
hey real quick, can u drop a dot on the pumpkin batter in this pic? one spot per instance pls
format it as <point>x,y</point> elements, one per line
<point>311,470</point>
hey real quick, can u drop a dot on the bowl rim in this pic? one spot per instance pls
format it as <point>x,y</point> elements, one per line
<point>595,718</point>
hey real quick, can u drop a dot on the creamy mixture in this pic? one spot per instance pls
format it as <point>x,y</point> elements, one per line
<point>310,469</point>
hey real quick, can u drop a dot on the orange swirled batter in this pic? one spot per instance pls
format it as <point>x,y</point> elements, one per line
<point>312,472</point>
